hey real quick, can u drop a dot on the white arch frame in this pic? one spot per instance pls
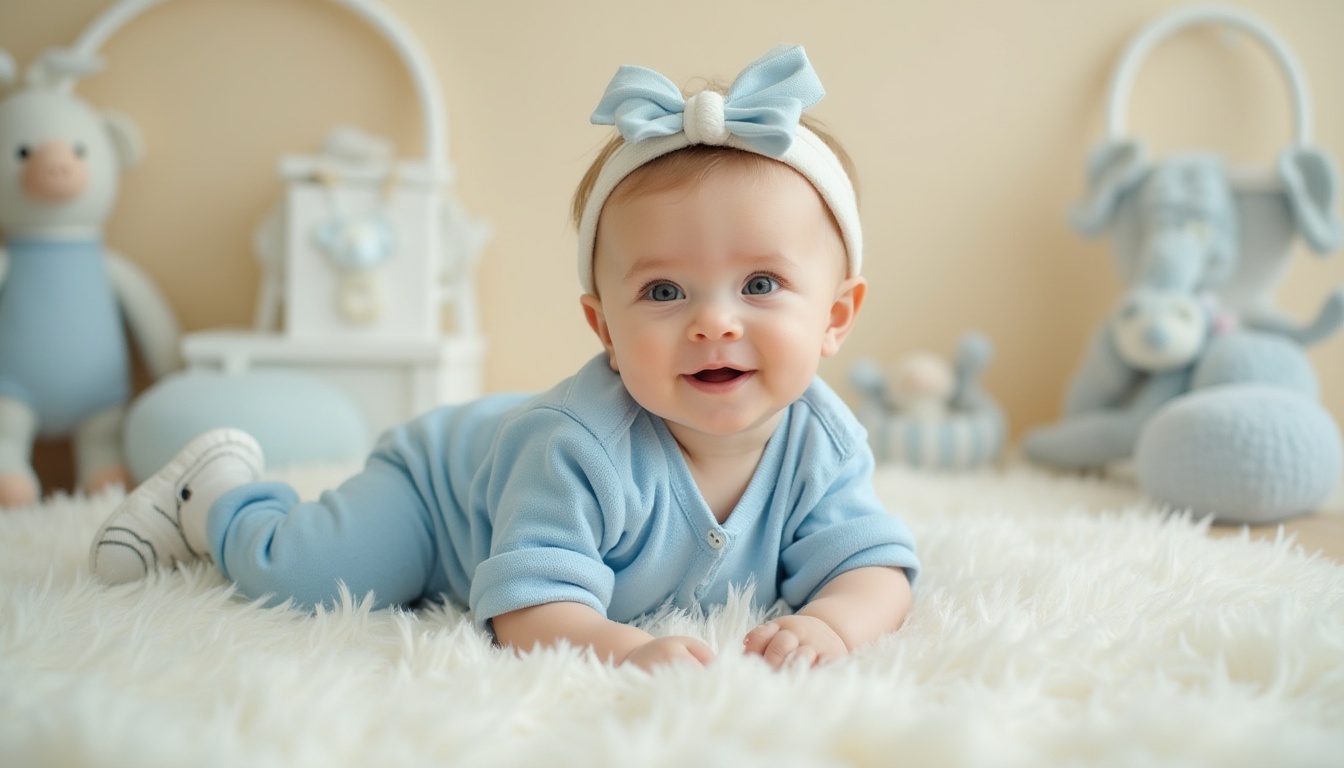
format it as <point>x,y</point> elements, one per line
<point>430,96</point>
<point>1122,79</point>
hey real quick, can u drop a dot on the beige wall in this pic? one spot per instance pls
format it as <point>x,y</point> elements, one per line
<point>970,122</point>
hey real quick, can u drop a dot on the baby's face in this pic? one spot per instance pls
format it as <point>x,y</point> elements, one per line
<point>719,298</point>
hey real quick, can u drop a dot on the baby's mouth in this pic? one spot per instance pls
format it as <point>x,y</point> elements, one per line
<point>717,375</point>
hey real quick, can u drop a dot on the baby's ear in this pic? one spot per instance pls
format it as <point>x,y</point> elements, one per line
<point>848,301</point>
<point>597,320</point>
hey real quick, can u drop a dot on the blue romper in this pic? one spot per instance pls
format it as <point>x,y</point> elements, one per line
<point>577,494</point>
<point>63,350</point>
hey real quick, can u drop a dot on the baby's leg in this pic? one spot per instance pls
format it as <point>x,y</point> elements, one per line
<point>373,534</point>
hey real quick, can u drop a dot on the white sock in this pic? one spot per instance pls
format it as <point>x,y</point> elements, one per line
<point>220,476</point>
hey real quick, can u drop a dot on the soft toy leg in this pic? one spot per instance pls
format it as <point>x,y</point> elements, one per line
<point>97,443</point>
<point>1100,437</point>
<point>18,427</point>
<point>1244,453</point>
<point>1249,443</point>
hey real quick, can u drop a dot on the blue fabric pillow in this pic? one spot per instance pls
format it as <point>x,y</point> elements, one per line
<point>297,418</point>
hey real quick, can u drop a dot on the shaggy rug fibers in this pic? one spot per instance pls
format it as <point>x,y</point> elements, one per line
<point>1058,622</point>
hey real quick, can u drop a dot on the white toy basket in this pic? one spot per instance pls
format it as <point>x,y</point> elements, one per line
<point>360,259</point>
<point>966,432</point>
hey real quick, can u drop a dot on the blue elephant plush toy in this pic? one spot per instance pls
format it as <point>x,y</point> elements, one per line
<point>65,301</point>
<point>1196,376</point>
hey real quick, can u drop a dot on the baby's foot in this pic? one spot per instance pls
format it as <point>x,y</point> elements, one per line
<point>156,526</point>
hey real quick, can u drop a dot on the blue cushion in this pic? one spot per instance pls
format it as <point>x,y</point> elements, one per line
<point>1245,453</point>
<point>297,418</point>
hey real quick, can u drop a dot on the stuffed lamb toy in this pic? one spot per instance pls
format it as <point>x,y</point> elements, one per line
<point>1196,377</point>
<point>64,353</point>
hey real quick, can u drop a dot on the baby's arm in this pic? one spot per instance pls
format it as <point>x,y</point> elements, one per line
<point>546,624</point>
<point>854,609</point>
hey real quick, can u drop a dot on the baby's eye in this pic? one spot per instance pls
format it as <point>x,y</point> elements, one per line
<point>760,285</point>
<point>664,292</point>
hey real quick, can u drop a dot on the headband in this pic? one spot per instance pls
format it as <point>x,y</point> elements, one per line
<point>759,114</point>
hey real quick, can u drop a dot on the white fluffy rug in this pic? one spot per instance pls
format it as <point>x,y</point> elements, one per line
<point>1058,622</point>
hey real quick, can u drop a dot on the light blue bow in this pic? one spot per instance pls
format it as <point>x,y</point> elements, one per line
<point>762,106</point>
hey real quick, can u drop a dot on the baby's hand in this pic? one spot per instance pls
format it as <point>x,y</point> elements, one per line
<point>664,650</point>
<point>795,639</point>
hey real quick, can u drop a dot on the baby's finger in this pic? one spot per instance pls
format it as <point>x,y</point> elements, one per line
<point>805,656</point>
<point>783,644</point>
<point>700,652</point>
<point>760,637</point>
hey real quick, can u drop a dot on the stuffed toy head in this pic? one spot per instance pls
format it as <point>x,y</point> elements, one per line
<point>921,384</point>
<point>1181,223</point>
<point>1175,222</point>
<point>1157,330</point>
<point>60,160</point>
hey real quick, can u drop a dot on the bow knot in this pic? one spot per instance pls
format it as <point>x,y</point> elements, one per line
<point>762,107</point>
<point>702,119</point>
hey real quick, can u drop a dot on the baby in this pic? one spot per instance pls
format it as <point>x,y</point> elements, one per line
<point>719,252</point>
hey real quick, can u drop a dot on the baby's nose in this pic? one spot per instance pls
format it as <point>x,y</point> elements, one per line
<point>714,321</point>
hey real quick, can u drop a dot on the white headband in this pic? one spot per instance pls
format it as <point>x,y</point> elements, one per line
<point>759,114</point>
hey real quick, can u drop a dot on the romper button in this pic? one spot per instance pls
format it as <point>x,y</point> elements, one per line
<point>715,539</point>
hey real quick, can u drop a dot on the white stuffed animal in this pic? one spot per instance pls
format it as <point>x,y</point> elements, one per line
<point>921,385</point>
<point>1158,330</point>
<point>64,355</point>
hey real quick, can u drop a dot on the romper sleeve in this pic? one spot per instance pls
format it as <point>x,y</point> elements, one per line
<point>553,504</point>
<point>846,528</point>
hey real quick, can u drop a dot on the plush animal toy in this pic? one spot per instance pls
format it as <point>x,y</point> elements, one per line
<point>64,355</point>
<point>929,413</point>
<point>921,385</point>
<point>1161,330</point>
<point>1233,428</point>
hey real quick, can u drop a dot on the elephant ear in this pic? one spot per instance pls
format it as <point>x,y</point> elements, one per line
<point>1309,180</point>
<point>1113,169</point>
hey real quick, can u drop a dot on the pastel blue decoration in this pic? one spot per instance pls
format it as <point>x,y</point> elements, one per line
<point>1228,424</point>
<point>297,418</point>
<point>356,243</point>
<point>62,348</point>
<point>762,106</point>
<point>964,431</point>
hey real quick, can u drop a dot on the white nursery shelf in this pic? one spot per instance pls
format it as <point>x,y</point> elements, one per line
<point>390,381</point>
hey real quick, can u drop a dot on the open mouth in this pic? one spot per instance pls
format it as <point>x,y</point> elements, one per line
<point>717,375</point>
